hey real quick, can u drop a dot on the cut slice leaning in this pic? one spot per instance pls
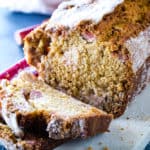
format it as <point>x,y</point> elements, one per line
<point>28,103</point>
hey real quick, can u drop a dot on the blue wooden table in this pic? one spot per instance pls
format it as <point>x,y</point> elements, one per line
<point>10,53</point>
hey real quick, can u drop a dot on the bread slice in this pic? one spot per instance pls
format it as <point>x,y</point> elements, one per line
<point>96,50</point>
<point>28,103</point>
<point>29,142</point>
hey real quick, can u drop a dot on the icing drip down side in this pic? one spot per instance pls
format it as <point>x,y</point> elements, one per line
<point>139,48</point>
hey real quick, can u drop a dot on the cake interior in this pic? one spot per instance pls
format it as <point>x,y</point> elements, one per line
<point>29,97</point>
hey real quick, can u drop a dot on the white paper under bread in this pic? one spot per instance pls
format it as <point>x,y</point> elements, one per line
<point>125,134</point>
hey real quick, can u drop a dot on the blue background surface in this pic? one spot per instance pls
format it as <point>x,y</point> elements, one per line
<point>10,52</point>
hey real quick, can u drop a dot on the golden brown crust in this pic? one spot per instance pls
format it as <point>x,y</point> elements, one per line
<point>58,128</point>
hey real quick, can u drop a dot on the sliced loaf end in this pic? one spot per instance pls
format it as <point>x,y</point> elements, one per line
<point>30,103</point>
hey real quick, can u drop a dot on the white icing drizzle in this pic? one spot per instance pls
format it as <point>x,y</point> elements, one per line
<point>71,13</point>
<point>11,120</point>
<point>139,48</point>
<point>82,125</point>
<point>3,83</point>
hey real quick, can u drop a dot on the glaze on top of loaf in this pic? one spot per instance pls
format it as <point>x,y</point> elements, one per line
<point>71,13</point>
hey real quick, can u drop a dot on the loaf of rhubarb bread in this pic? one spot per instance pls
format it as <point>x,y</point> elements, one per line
<point>95,50</point>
